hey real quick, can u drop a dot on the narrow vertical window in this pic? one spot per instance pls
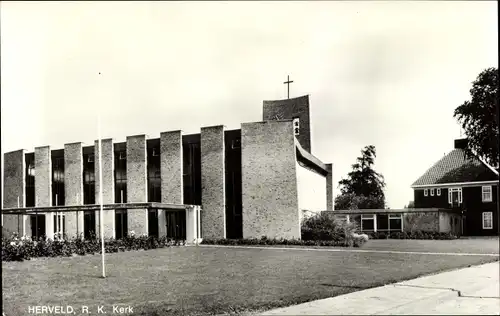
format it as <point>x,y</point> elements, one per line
<point>426,192</point>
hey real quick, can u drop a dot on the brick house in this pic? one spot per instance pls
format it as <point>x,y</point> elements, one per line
<point>214,184</point>
<point>466,186</point>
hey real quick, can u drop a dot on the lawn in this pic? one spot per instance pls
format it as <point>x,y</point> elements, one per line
<point>209,280</point>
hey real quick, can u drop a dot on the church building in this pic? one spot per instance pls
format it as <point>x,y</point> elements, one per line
<point>215,184</point>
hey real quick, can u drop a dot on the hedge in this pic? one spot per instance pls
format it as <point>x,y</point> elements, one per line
<point>413,235</point>
<point>351,242</point>
<point>19,249</point>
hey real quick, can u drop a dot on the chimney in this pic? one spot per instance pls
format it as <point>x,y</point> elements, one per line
<point>461,143</point>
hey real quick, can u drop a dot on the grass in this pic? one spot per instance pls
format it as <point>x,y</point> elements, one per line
<point>208,280</point>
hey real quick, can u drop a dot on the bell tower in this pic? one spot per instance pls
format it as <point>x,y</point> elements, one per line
<point>296,109</point>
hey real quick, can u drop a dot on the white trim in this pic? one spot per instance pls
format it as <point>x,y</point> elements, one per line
<point>487,165</point>
<point>444,185</point>
<point>487,227</point>
<point>432,192</point>
<point>426,192</point>
<point>483,192</point>
<point>369,217</point>
<point>438,191</point>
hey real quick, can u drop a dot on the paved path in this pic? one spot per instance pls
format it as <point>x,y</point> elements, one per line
<point>468,291</point>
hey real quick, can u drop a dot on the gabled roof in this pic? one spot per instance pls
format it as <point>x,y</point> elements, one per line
<point>455,168</point>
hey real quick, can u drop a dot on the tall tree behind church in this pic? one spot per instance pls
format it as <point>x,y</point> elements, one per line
<point>363,187</point>
<point>479,117</point>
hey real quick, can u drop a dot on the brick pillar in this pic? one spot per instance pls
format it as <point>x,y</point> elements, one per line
<point>329,189</point>
<point>213,195</point>
<point>73,187</point>
<point>108,186</point>
<point>172,190</point>
<point>43,185</point>
<point>14,195</point>
<point>269,180</point>
<point>137,184</point>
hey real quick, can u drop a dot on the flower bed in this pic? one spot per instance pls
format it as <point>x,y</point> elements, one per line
<point>19,249</point>
<point>413,235</point>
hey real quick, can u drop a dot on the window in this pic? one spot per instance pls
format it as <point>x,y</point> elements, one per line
<point>486,191</point>
<point>60,224</point>
<point>296,126</point>
<point>154,176</point>
<point>88,179</point>
<point>455,196</point>
<point>426,192</point>
<point>120,177</point>
<point>382,222</point>
<point>89,224</point>
<point>30,180</point>
<point>367,222</point>
<point>487,220</point>
<point>121,223</point>
<point>432,192</point>
<point>153,222</point>
<point>37,226</point>
<point>57,179</point>
<point>396,222</point>
<point>438,192</point>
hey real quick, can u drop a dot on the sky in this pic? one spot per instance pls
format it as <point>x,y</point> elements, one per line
<point>387,74</point>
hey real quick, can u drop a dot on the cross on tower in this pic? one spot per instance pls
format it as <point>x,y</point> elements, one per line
<point>288,82</point>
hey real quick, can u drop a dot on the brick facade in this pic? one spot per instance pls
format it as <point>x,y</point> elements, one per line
<point>289,109</point>
<point>15,191</point>
<point>213,216</point>
<point>137,184</point>
<point>73,186</point>
<point>43,185</point>
<point>172,187</point>
<point>269,180</point>
<point>108,185</point>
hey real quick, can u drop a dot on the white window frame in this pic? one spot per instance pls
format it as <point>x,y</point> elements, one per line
<point>426,192</point>
<point>450,194</point>
<point>369,217</point>
<point>490,199</point>
<point>438,192</point>
<point>395,216</point>
<point>491,220</point>
<point>432,192</point>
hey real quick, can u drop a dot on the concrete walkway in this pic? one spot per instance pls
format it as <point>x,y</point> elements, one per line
<point>468,291</point>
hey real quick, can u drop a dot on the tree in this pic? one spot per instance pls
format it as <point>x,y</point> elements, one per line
<point>351,201</point>
<point>479,117</point>
<point>411,204</point>
<point>364,187</point>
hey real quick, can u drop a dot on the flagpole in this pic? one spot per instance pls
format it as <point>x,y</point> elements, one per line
<point>101,224</point>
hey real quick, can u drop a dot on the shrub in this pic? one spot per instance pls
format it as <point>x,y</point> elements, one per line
<point>416,234</point>
<point>323,227</point>
<point>19,249</point>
